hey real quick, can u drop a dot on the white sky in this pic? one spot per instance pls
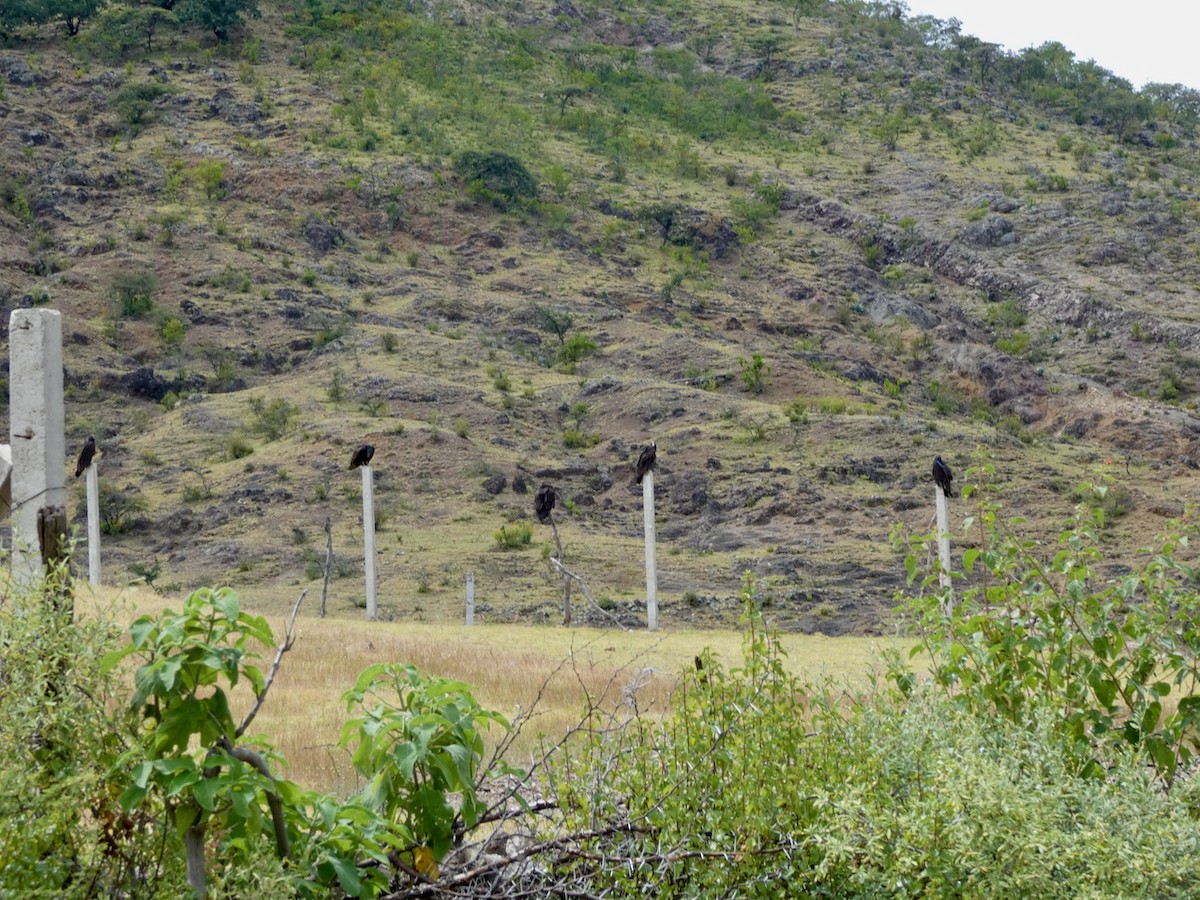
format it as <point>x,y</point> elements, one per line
<point>1143,41</point>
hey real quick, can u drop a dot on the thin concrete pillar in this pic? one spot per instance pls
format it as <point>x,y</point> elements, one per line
<point>368,492</point>
<point>651,568</point>
<point>470,598</point>
<point>36,430</point>
<point>943,539</point>
<point>93,524</point>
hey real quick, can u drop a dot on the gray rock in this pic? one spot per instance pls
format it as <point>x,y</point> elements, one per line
<point>988,231</point>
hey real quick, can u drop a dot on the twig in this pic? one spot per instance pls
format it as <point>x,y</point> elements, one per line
<point>447,884</point>
<point>567,573</point>
<point>284,646</point>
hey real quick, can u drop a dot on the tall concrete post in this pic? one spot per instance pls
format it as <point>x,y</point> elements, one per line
<point>93,524</point>
<point>651,568</point>
<point>36,430</point>
<point>368,492</point>
<point>470,598</point>
<point>943,539</point>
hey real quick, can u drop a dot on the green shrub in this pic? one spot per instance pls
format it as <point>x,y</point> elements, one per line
<point>119,507</point>
<point>210,178</point>
<point>271,418</point>
<point>574,439</point>
<point>172,332</point>
<point>575,349</point>
<point>496,178</point>
<point>827,791</point>
<point>133,292</point>
<point>239,448</point>
<point>1101,654</point>
<point>133,102</point>
<point>754,373</point>
<point>60,732</point>
<point>514,535</point>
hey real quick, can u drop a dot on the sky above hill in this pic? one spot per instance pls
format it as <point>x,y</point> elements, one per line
<point>1152,40</point>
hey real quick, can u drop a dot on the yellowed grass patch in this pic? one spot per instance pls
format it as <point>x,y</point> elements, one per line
<point>514,669</point>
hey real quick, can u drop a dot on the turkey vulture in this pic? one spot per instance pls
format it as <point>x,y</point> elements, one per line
<point>543,502</point>
<point>85,456</point>
<point>646,461</point>
<point>943,476</point>
<point>362,456</point>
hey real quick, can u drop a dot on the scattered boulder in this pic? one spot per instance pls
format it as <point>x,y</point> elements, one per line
<point>495,485</point>
<point>321,235</point>
<point>990,231</point>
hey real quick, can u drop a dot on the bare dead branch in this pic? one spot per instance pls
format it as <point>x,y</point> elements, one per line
<point>284,646</point>
<point>567,573</point>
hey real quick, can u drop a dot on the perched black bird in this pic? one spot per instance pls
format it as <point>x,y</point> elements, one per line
<point>543,502</point>
<point>85,456</point>
<point>362,456</point>
<point>943,476</point>
<point>646,461</point>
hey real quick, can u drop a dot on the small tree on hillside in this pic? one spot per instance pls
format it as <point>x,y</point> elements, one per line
<point>220,16</point>
<point>73,13</point>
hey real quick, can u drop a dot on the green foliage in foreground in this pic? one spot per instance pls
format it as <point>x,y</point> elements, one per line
<point>760,785</point>
<point>112,792</point>
<point>1052,754</point>
<point>1117,660</point>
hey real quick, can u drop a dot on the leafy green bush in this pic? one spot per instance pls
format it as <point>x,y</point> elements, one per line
<point>60,732</point>
<point>119,507</point>
<point>1104,654</point>
<point>575,349</point>
<point>133,102</point>
<point>758,784</point>
<point>221,17</point>
<point>496,178</point>
<point>133,292</point>
<point>754,373</point>
<point>172,332</point>
<point>417,741</point>
<point>576,439</point>
<point>514,536</point>
<point>271,418</point>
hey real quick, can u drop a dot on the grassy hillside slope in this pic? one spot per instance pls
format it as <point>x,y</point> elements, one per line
<point>802,246</point>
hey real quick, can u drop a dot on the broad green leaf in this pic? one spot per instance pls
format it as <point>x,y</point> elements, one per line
<point>347,875</point>
<point>205,791</point>
<point>226,603</point>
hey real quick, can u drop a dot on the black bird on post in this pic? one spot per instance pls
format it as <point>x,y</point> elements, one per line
<point>543,502</point>
<point>362,456</point>
<point>943,476</point>
<point>85,456</point>
<point>646,461</point>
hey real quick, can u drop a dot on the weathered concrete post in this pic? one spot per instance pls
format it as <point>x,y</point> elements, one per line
<point>470,598</point>
<point>368,492</point>
<point>93,524</point>
<point>651,569</point>
<point>943,539</point>
<point>37,430</point>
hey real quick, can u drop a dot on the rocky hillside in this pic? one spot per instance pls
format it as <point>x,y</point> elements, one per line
<point>803,247</point>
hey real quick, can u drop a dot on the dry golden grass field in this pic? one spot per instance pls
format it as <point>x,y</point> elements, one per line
<point>516,669</point>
